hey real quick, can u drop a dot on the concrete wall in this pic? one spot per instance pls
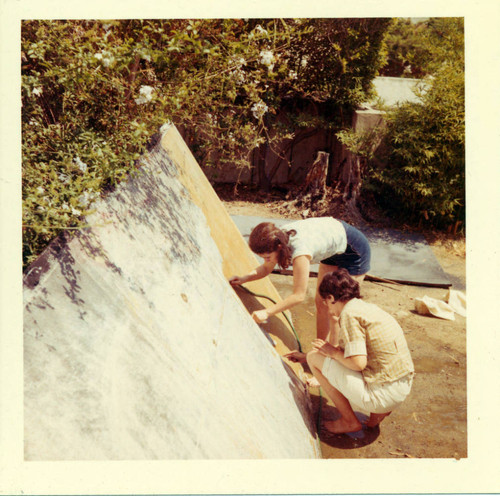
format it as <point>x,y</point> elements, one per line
<point>394,90</point>
<point>135,345</point>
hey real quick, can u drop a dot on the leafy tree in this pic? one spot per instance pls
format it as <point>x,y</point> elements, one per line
<point>425,172</point>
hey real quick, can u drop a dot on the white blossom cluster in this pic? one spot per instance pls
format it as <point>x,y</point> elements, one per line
<point>37,91</point>
<point>237,73</point>
<point>259,109</point>
<point>40,190</point>
<point>258,30</point>
<point>87,197</point>
<point>267,59</point>
<point>106,58</point>
<point>64,178</point>
<point>73,210</point>
<point>145,95</point>
<point>81,165</point>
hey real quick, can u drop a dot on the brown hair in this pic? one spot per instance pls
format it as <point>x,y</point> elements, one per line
<point>340,285</point>
<point>266,238</point>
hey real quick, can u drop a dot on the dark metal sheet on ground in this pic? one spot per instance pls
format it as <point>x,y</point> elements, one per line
<point>396,255</point>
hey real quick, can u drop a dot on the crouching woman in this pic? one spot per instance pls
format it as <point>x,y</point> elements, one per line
<point>371,368</point>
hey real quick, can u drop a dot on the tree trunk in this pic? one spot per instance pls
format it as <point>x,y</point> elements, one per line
<point>315,182</point>
<point>350,179</point>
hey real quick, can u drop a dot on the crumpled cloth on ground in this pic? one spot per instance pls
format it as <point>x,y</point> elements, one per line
<point>456,300</point>
<point>441,309</point>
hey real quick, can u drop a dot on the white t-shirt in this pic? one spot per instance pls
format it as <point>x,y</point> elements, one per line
<point>318,237</point>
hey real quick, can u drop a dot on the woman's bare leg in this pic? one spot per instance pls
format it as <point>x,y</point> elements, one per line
<point>322,318</point>
<point>348,422</point>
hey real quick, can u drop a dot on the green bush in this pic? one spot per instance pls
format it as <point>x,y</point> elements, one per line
<point>419,171</point>
<point>426,141</point>
<point>94,92</point>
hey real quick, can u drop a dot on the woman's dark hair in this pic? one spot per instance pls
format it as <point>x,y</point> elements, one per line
<point>266,238</point>
<point>340,285</point>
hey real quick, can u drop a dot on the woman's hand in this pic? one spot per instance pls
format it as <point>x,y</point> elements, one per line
<point>296,356</point>
<point>325,348</point>
<point>236,280</point>
<point>260,316</point>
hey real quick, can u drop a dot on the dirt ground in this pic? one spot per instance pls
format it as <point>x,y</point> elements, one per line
<point>432,422</point>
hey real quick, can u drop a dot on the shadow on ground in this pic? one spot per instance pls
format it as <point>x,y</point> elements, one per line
<point>325,412</point>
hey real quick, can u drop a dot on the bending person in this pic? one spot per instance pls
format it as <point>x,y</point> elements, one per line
<point>372,368</point>
<point>330,242</point>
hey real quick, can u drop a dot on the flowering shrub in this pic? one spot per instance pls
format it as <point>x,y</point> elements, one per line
<point>93,92</point>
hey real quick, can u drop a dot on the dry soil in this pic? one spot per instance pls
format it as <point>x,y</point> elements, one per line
<point>432,423</point>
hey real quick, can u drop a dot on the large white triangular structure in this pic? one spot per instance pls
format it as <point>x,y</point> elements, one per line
<point>135,345</point>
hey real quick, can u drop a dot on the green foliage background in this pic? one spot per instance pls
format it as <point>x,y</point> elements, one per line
<point>94,92</point>
<point>425,141</point>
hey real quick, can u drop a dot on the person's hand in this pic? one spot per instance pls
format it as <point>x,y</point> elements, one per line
<point>260,316</point>
<point>325,348</point>
<point>236,280</point>
<point>296,356</point>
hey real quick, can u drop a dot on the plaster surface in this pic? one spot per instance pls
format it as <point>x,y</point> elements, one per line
<point>135,345</point>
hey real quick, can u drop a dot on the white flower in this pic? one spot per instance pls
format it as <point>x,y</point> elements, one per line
<point>238,61</point>
<point>260,30</point>
<point>75,211</point>
<point>304,61</point>
<point>259,109</point>
<point>292,75</point>
<point>64,178</point>
<point>106,58</point>
<point>81,165</point>
<point>145,95</point>
<point>238,75</point>
<point>267,59</point>
<point>212,119</point>
<point>65,206</point>
<point>37,91</point>
<point>33,122</point>
<point>86,198</point>
<point>40,190</point>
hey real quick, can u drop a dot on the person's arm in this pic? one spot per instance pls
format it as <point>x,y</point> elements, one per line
<point>260,272</point>
<point>355,362</point>
<point>301,266</point>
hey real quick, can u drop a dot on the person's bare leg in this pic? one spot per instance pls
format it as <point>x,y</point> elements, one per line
<point>322,321</point>
<point>376,418</point>
<point>323,325</point>
<point>348,422</point>
<point>322,318</point>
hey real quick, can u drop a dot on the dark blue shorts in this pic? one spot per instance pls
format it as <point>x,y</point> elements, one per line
<point>356,258</point>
